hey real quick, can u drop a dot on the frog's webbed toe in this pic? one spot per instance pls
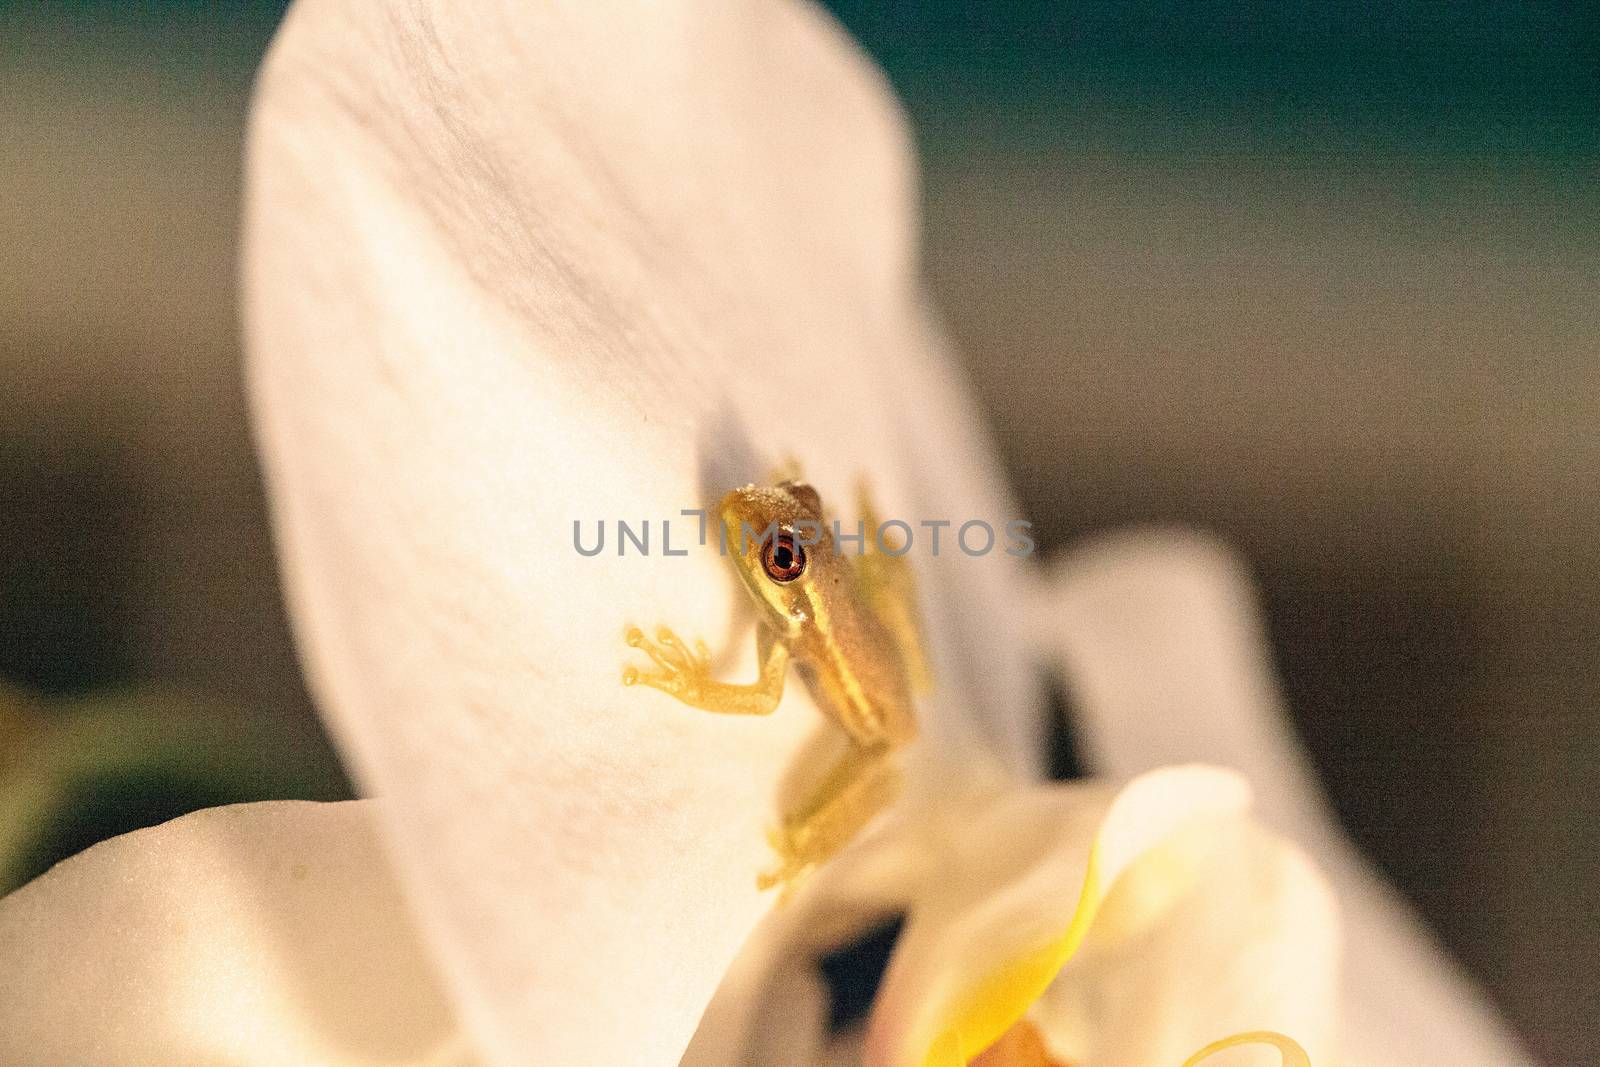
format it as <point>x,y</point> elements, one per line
<point>787,469</point>
<point>681,672</point>
<point>684,671</point>
<point>793,864</point>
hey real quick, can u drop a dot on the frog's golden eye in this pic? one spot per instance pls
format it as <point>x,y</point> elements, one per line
<point>783,558</point>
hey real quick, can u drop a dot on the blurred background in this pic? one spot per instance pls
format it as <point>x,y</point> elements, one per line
<point>1324,279</point>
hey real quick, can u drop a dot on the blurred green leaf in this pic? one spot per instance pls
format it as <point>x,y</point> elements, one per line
<point>74,772</point>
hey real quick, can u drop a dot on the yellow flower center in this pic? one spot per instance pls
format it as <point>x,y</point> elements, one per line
<point>1157,842</point>
<point>995,1005</point>
<point>989,1030</point>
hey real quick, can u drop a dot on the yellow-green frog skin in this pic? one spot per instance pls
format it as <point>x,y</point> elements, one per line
<point>849,625</point>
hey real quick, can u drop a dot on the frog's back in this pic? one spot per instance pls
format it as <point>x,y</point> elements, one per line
<point>852,667</point>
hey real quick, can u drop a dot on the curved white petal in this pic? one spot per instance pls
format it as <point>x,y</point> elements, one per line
<point>771,1008</point>
<point>511,266</point>
<point>1159,639</point>
<point>258,935</point>
<point>1010,893</point>
<point>1196,924</point>
<point>1223,930</point>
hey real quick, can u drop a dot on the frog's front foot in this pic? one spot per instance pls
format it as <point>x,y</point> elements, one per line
<point>794,863</point>
<point>683,672</point>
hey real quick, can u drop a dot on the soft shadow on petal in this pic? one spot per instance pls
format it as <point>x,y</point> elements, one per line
<point>981,642</point>
<point>1009,898</point>
<point>1223,930</point>
<point>511,267</point>
<point>1159,638</point>
<point>259,935</point>
<point>771,1009</point>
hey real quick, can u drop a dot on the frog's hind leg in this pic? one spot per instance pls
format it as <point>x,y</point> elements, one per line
<point>862,783</point>
<point>887,586</point>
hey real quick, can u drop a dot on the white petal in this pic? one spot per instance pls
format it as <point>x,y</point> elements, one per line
<point>259,935</point>
<point>771,1008</point>
<point>1222,930</point>
<point>1011,891</point>
<point>1159,637</point>
<point>509,266</point>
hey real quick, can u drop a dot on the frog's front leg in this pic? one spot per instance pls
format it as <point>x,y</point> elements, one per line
<point>686,673</point>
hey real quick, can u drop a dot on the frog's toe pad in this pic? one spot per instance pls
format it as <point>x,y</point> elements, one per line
<point>792,865</point>
<point>679,671</point>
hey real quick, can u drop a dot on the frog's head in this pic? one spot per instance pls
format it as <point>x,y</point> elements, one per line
<point>776,538</point>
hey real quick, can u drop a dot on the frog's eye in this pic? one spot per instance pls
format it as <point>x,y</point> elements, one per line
<point>783,558</point>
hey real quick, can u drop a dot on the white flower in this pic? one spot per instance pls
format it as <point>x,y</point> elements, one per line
<point>512,266</point>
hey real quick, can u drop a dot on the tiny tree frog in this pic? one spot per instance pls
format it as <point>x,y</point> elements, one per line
<point>850,627</point>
